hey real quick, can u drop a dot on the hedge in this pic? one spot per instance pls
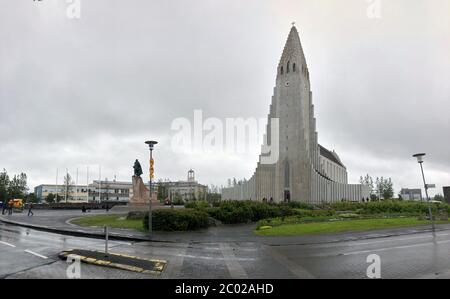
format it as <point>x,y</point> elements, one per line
<point>388,207</point>
<point>177,220</point>
<point>197,204</point>
<point>234,212</point>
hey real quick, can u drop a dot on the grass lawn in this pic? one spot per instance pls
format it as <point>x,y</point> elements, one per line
<point>341,226</point>
<point>113,221</point>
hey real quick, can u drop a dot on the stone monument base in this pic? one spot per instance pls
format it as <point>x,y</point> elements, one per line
<point>139,201</point>
<point>140,193</point>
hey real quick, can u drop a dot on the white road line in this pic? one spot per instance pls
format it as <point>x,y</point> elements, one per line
<point>293,267</point>
<point>396,247</point>
<point>236,270</point>
<point>175,265</point>
<point>215,258</point>
<point>395,240</point>
<point>8,244</point>
<point>36,254</point>
<point>362,243</point>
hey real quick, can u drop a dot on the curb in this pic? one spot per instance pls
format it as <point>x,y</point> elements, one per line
<point>160,264</point>
<point>355,239</point>
<point>81,233</point>
<point>118,237</point>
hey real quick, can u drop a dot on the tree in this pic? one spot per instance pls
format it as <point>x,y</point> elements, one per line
<point>213,197</point>
<point>67,187</point>
<point>368,181</point>
<point>177,199</point>
<point>51,198</point>
<point>18,186</point>
<point>439,197</point>
<point>388,189</point>
<point>163,191</point>
<point>32,198</point>
<point>384,188</point>
<point>59,198</point>
<point>4,186</point>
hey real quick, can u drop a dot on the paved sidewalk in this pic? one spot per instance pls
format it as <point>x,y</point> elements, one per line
<point>58,221</point>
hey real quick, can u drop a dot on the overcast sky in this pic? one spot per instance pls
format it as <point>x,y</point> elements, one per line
<point>89,91</point>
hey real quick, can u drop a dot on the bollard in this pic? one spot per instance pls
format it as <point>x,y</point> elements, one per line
<point>106,241</point>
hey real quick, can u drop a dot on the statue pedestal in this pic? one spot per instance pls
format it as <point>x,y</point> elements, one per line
<point>140,192</point>
<point>140,196</point>
<point>140,199</point>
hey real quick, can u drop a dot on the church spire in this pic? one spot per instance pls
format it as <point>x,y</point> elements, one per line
<point>293,48</point>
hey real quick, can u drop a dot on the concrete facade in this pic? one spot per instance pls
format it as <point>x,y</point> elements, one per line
<point>411,194</point>
<point>305,171</point>
<point>446,194</point>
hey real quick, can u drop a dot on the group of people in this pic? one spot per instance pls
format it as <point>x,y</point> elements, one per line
<point>268,201</point>
<point>8,208</point>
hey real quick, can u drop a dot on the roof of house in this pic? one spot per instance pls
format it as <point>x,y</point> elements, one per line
<point>329,155</point>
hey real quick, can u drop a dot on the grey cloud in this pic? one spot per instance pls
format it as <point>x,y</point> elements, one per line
<point>90,91</point>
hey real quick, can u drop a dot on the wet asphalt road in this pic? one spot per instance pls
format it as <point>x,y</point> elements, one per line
<point>26,253</point>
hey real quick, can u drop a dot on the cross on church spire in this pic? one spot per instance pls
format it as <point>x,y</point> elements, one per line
<point>293,24</point>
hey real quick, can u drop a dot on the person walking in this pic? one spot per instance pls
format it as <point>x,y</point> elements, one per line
<point>10,207</point>
<point>30,210</point>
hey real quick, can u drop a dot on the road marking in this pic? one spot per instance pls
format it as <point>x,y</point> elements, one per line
<point>295,268</point>
<point>8,244</point>
<point>395,247</point>
<point>236,270</point>
<point>395,240</point>
<point>215,258</point>
<point>36,254</point>
<point>175,265</point>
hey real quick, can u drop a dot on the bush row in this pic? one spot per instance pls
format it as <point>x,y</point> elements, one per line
<point>388,207</point>
<point>234,212</point>
<point>177,220</point>
<point>196,214</point>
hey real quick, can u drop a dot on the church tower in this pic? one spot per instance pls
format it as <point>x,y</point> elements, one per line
<point>291,104</point>
<point>304,170</point>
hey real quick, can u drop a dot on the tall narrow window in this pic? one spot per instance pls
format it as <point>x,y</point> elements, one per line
<point>294,67</point>
<point>287,182</point>
<point>282,70</point>
<point>288,67</point>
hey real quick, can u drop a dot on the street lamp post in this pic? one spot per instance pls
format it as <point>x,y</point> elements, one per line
<point>420,161</point>
<point>151,145</point>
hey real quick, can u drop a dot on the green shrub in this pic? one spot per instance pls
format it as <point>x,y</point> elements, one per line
<point>177,220</point>
<point>349,216</point>
<point>197,204</point>
<point>178,202</point>
<point>314,213</point>
<point>299,205</point>
<point>388,207</point>
<point>234,212</point>
<point>290,220</point>
<point>262,210</point>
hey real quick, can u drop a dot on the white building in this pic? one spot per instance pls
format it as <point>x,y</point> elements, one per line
<point>97,191</point>
<point>115,191</point>
<point>186,190</point>
<point>411,194</point>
